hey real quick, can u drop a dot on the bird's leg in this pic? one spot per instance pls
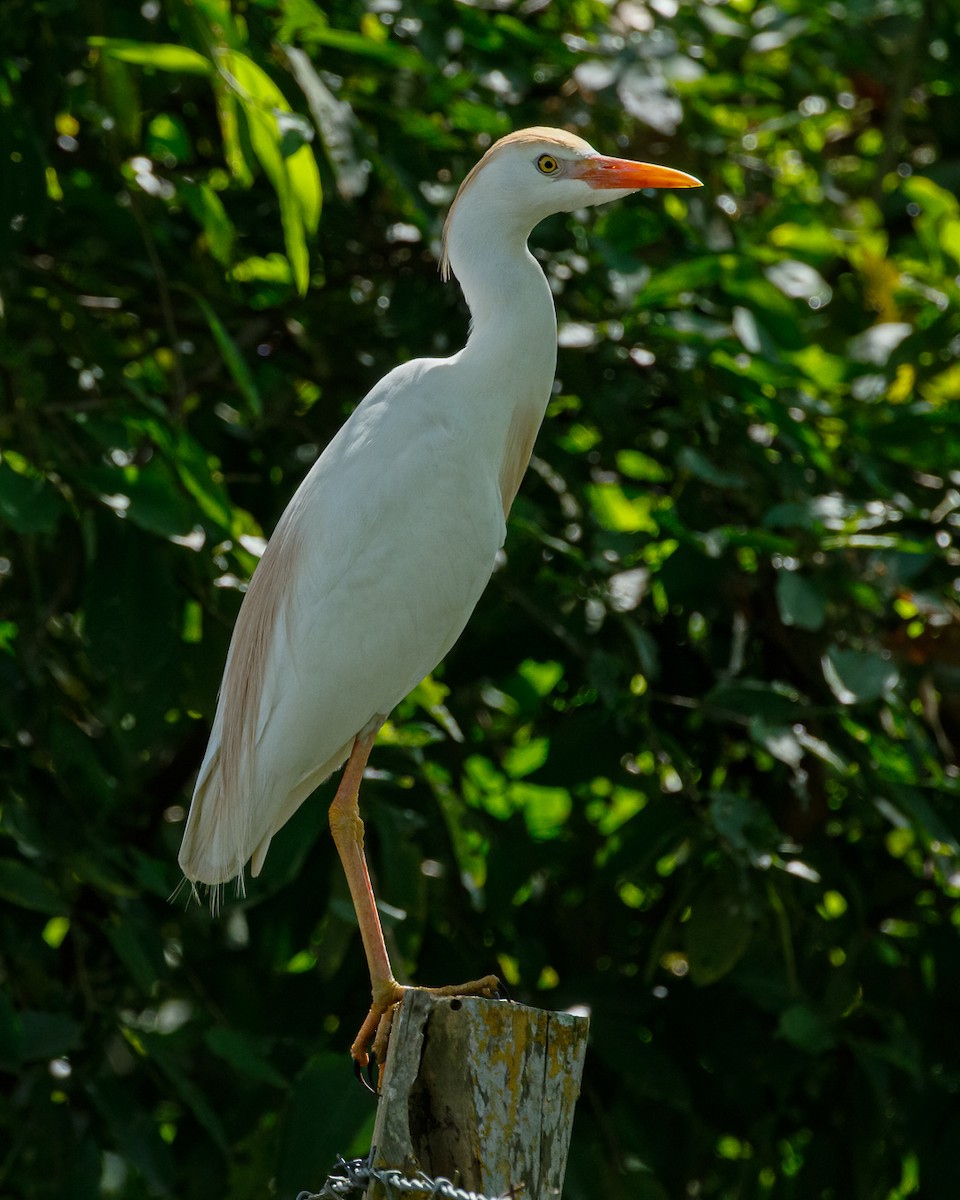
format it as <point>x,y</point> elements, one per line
<point>347,829</point>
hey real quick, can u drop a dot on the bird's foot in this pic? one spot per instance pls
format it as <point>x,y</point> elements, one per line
<point>374,1035</point>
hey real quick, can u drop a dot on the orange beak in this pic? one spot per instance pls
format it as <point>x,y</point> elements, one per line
<point>624,174</point>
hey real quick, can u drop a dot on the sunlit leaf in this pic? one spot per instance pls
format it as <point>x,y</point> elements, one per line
<point>168,139</point>
<point>811,239</point>
<point>545,809</point>
<point>336,123</point>
<point>641,466</point>
<point>615,510</point>
<point>524,759</point>
<point>543,677</point>
<point>799,281</point>
<point>780,740</point>
<point>294,177</point>
<point>875,345</point>
<point>208,209</point>
<point>646,97</point>
<point>159,55</point>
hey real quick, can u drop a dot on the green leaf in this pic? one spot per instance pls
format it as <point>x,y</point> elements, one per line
<point>806,1030</point>
<point>936,201</point>
<point>140,948</point>
<point>666,286</point>
<point>811,239</point>
<point>26,888</point>
<point>524,759</point>
<point>931,825</point>
<point>207,208</point>
<point>167,138</point>
<point>28,503</point>
<point>822,368</point>
<point>777,313</point>
<point>199,476</point>
<point>240,1051</point>
<point>773,702</point>
<point>134,1131</point>
<point>689,459</point>
<point>856,676</point>
<point>11,1033</point>
<point>616,511</point>
<point>295,178</point>
<point>950,238</point>
<point>295,131</point>
<point>308,1146</point>
<point>789,515</point>
<point>121,92</point>
<point>542,677</point>
<point>641,467</point>
<point>46,1035</point>
<point>160,1050</point>
<point>778,740</point>
<point>745,825</point>
<point>718,931</point>
<point>130,610</point>
<point>231,355</point>
<point>801,603</point>
<point>151,495</point>
<point>162,56</point>
<point>236,146</point>
<point>545,809</point>
<point>8,635</point>
<point>306,22</point>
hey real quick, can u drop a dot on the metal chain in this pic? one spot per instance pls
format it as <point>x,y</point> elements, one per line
<point>357,1174</point>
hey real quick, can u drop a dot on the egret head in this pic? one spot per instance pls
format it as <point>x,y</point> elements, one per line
<point>530,174</point>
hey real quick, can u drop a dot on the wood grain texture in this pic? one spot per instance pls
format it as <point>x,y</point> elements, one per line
<point>482,1092</point>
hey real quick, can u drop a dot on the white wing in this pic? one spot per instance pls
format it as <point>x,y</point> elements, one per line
<point>368,580</point>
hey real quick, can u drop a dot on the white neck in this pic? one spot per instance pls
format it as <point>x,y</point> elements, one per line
<point>512,346</point>
<point>511,307</point>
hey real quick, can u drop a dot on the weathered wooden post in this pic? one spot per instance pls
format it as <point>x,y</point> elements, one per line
<point>481,1092</point>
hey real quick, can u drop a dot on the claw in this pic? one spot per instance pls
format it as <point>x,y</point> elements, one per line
<point>365,1080</point>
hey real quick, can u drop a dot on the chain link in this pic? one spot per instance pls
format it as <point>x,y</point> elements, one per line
<point>356,1175</point>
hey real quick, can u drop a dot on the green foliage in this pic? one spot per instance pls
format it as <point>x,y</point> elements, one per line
<point>695,761</point>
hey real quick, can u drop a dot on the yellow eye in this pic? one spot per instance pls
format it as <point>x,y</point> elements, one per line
<point>547,164</point>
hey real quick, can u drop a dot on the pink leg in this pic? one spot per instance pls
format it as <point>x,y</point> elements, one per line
<point>347,829</point>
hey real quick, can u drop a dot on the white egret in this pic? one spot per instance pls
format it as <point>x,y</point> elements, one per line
<point>384,550</point>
